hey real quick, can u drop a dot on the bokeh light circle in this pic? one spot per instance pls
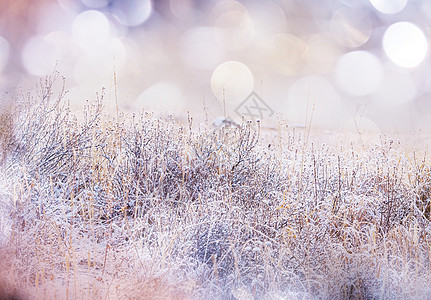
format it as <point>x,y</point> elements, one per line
<point>352,26</point>
<point>132,12</point>
<point>389,6</point>
<point>39,57</point>
<point>90,29</point>
<point>286,54</point>
<point>234,29</point>
<point>268,18</point>
<point>182,9</point>
<point>322,52</point>
<point>232,79</point>
<point>358,73</point>
<point>405,44</point>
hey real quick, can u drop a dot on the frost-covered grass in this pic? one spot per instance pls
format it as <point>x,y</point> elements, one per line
<point>146,208</point>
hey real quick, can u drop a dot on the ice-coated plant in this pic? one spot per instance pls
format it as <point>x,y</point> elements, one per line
<point>136,206</point>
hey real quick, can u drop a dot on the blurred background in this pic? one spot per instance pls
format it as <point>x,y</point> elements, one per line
<point>348,64</point>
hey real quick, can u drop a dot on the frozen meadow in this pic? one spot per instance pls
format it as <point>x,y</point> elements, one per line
<point>134,206</point>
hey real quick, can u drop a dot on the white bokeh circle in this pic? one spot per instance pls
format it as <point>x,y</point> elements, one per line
<point>90,30</point>
<point>389,6</point>
<point>358,73</point>
<point>232,80</point>
<point>405,44</point>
